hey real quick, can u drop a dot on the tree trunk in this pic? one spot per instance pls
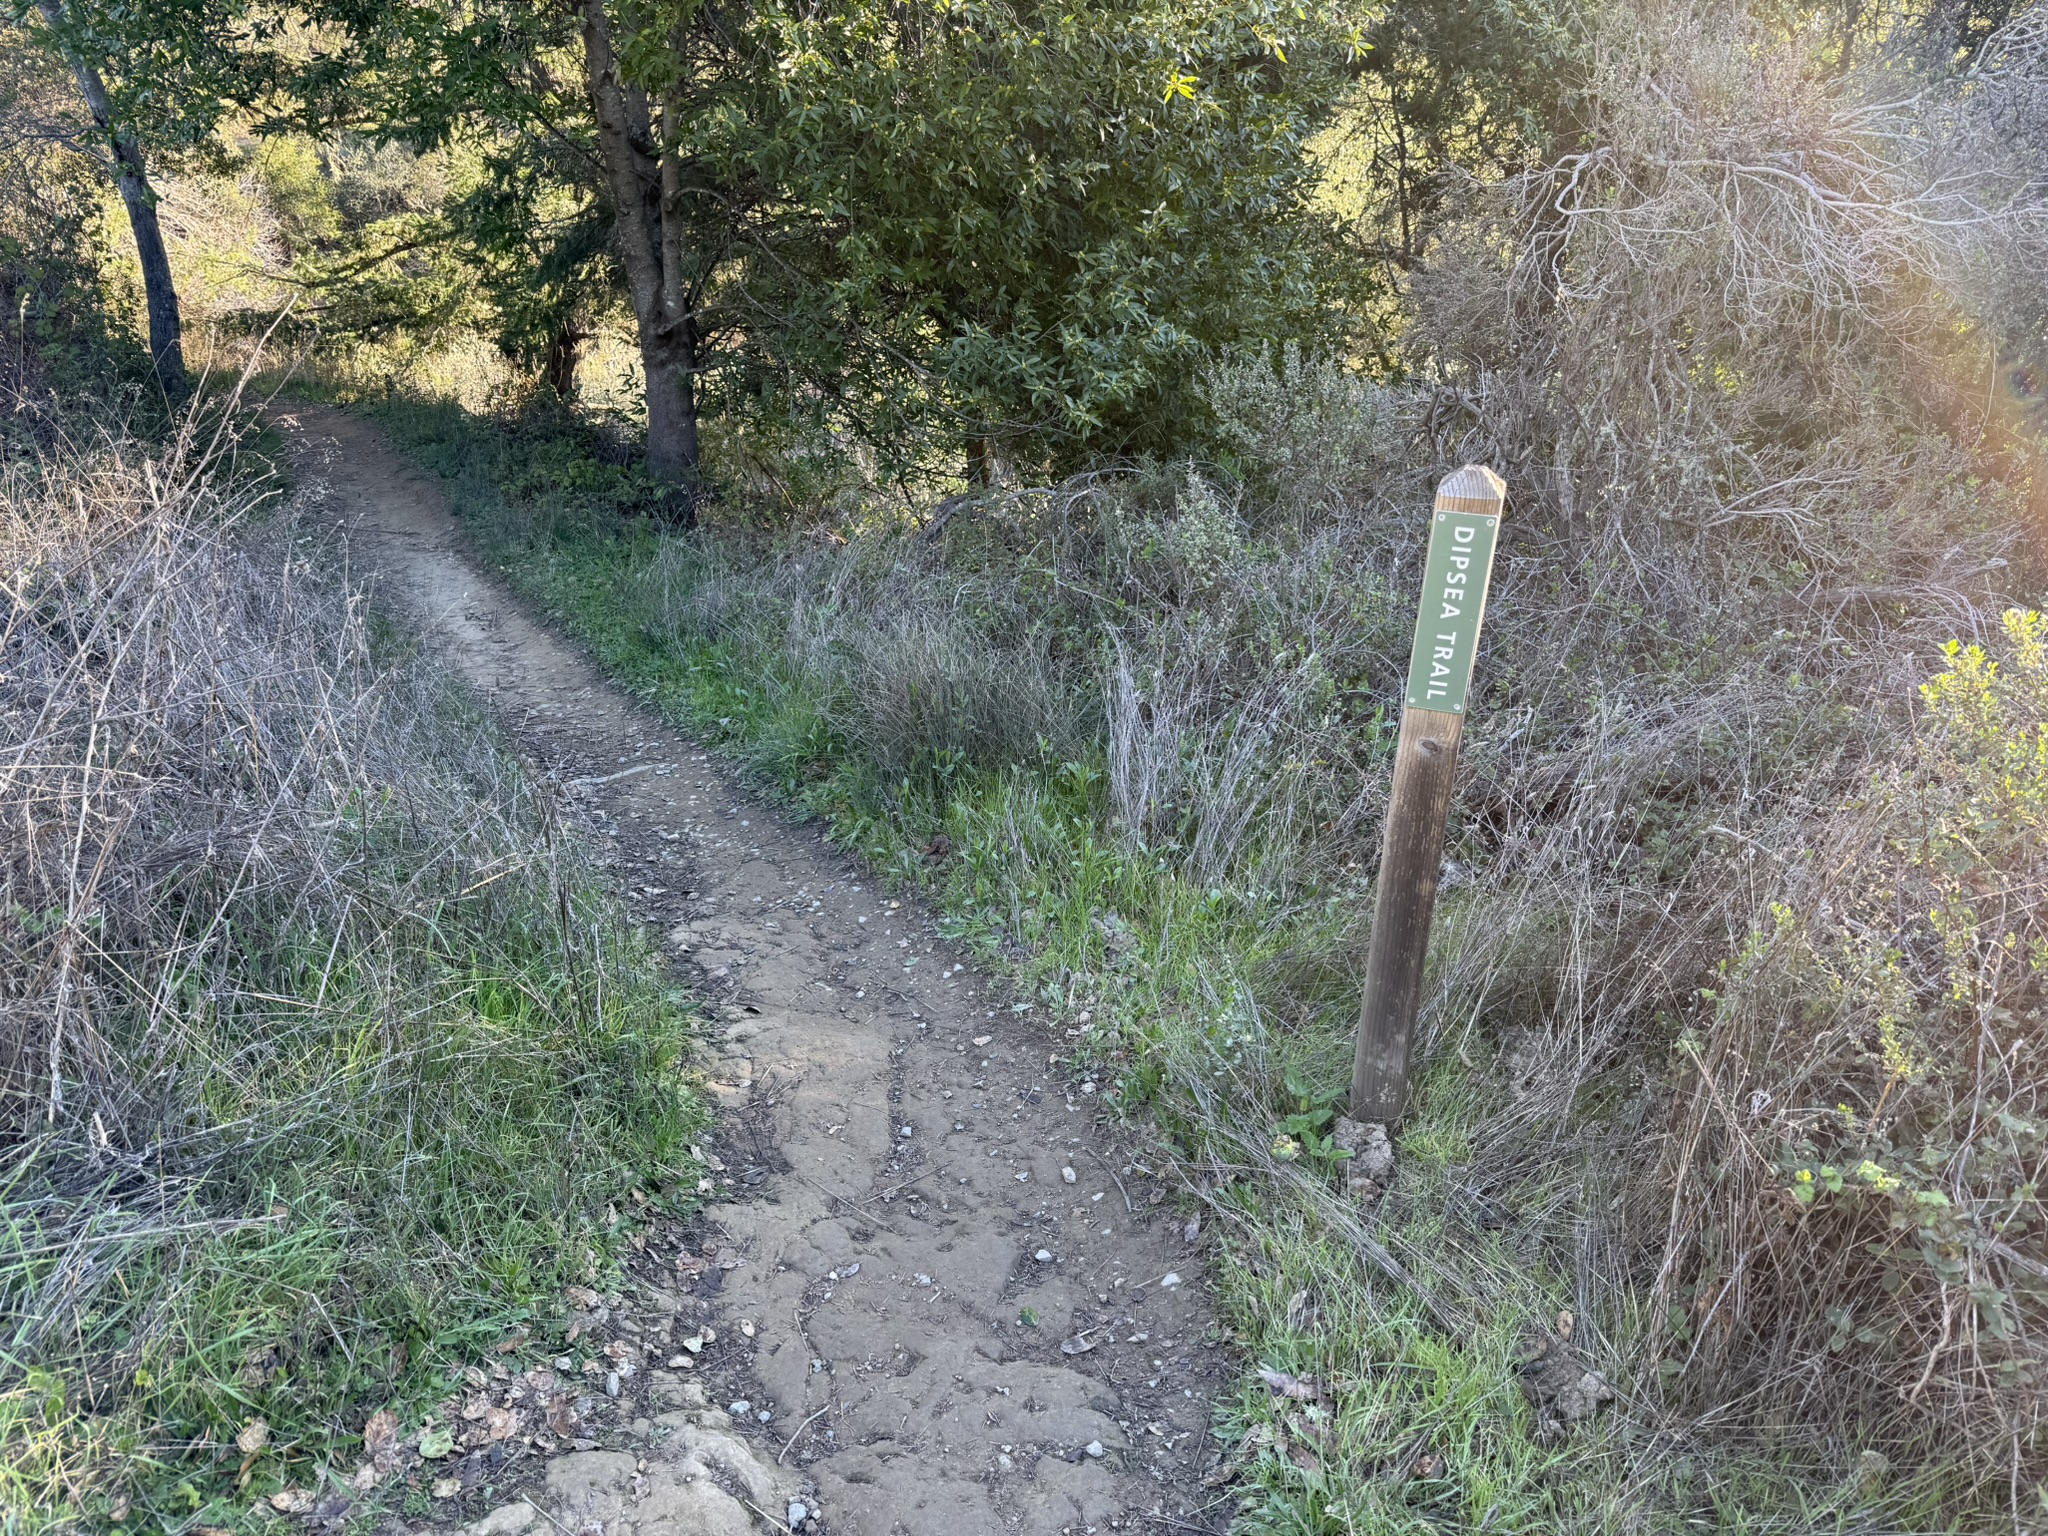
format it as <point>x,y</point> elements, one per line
<point>649,229</point>
<point>160,293</point>
<point>558,372</point>
<point>671,413</point>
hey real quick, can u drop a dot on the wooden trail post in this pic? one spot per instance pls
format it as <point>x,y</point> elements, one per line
<point>1463,531</point>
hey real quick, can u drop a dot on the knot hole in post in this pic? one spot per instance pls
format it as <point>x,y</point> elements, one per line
<point>1429,746</point>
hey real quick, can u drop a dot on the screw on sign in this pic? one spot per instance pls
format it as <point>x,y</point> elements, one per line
<point>1463,531</point>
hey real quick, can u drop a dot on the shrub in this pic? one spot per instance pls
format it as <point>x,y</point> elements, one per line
<point>1867,1088</point>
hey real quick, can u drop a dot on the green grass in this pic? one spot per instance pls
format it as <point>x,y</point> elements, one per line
<point>1156,983</point>
<point>413,1132</point>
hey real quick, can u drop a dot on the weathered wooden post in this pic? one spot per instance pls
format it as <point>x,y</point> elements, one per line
<point>1462,535</point>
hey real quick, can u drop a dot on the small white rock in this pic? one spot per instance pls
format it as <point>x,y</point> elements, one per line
<point>798,1513</point>
<point>904,1132</point>
<point>1044,1255</point>
<point>740,1409</point>
<point>1168,1282</point>
<point>1067,1175</point>
<point>1094,1447</point>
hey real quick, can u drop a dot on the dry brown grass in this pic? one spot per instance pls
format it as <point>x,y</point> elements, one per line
<point>315,1040</point>
<point>1731,366</point>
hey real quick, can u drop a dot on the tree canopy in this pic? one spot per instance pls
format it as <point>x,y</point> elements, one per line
<point>1011,229</point>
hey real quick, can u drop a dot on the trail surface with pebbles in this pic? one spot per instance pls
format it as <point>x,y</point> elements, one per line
<point>941,1299</point>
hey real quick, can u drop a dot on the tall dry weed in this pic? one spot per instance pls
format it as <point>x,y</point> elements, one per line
<point>320,1055</point>
<point>1731,365</point>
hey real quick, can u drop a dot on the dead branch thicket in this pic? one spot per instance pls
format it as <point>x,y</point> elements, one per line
<point>1737,366</point>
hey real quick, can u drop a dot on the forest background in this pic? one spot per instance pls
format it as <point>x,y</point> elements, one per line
<point>1010,432</point>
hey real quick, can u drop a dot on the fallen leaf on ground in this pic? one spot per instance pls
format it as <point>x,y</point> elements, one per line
<point>447,1487</point>
<point>380,1434</point>
<point>254,1436</point>
<point>581,1297</point>
<point>436,1441</point>
<point>1079,1344</point>
<point>562,1414</point>
<point>291,1501</point>
<point>504,1423</point>
<point>1286,1384</point>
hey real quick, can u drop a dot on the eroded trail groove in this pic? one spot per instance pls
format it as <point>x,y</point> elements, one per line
<point>912,1172</point>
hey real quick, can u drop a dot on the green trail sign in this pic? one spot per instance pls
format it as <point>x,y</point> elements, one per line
<point>1454,578</point>
<point>1462,533</point>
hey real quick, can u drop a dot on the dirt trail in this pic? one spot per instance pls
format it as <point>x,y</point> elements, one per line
<point>912,1174</point>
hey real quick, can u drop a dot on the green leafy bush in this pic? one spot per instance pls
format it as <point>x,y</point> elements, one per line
<point>1867,1123</point>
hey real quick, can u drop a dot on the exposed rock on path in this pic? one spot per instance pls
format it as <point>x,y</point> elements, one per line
<point>923,1211</point>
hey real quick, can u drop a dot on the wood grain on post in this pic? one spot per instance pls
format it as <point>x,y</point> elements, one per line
<point>1462,534</point>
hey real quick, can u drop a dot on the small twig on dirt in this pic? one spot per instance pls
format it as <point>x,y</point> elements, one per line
<point>1183,1525</point>
<point>757,1509</point>
<point>799,1431</point>
<point>1128,1207</point>
<point>831,1194</point>
<point>623,773</point>
<point>551,1520</point>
